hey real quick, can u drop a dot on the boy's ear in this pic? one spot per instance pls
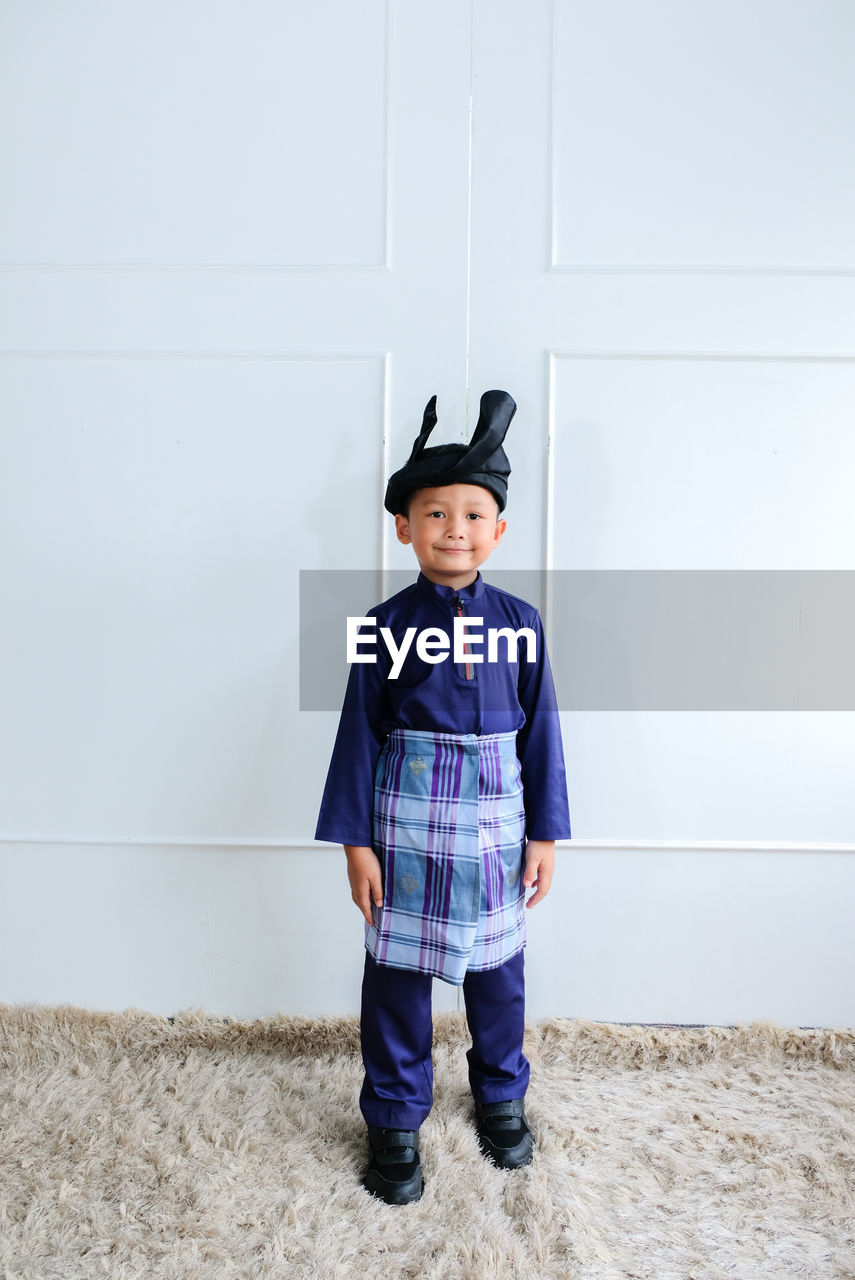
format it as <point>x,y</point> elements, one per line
<point>402,528</point>
<point>501,526</point>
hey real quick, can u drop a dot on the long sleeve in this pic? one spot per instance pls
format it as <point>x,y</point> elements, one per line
<point>540,748</point>
<point>347,808</point>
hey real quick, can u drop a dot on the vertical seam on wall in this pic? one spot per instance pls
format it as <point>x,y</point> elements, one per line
<point>469,211</point>
<point>553,203</point>
<point>386,432</point>
<point>549,503</point>
<point>387,142</point>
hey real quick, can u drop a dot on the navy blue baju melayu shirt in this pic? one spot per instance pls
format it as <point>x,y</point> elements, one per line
<point>448,697</point>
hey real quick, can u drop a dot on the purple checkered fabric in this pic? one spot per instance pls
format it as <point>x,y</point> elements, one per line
<point>449,829</point>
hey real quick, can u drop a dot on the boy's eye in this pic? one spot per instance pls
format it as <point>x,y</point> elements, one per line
<point>474,515</point>
<point>436,513</point>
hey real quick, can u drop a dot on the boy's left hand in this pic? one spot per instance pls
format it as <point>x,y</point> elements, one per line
<point>539,866</point>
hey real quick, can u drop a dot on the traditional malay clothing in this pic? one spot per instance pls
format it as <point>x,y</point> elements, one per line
<point>446,771</point>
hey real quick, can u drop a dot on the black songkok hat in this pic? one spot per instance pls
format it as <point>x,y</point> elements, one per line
<point>482,461</point>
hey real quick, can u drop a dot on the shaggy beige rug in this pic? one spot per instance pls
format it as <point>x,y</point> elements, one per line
<point>130,1146</point>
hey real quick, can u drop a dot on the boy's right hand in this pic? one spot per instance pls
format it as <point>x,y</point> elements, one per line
<point>366,878</point>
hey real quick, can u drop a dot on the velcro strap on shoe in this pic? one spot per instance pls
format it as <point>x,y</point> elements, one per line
<point>398,1147</point>
<point>502,1115</point>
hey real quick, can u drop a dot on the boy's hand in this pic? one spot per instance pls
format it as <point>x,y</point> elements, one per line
<point>539,866</point>
<point>366,878</point>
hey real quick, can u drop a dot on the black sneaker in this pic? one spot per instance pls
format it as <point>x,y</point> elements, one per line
<point>504,1134</point>
<point>395,1171</point>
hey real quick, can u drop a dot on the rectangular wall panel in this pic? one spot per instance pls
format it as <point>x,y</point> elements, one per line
<point>697,464</point>
<point>703,136</point>
<point>194,133</point>
<point>155,517</point>
<point>681,461</point>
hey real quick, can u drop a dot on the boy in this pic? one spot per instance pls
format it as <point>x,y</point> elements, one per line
<point>447,789</point>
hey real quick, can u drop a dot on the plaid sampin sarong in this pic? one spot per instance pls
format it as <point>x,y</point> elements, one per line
<point>449,829</point>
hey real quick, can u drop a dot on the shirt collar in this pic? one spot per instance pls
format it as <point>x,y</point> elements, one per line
<point>439,591</point>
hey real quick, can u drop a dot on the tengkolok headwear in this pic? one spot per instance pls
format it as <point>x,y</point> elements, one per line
<point>482,461</point>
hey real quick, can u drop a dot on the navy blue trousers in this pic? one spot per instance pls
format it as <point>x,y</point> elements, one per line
<point>397,1033</point>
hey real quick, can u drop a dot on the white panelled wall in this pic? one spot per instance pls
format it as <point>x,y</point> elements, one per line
<point>246,244</point>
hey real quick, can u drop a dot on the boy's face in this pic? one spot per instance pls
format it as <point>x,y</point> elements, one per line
<point>452,529</point>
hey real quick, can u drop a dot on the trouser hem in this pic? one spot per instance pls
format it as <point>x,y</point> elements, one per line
<point>393,1117</point>
<point>497,1094</point>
